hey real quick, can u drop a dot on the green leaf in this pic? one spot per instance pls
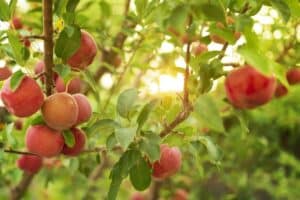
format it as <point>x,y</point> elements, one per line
<point>140,175</point>
<point>224,33</point>
<point>60,7</point>
<point>151,146</point>
<point>72,4</point>
<point>69,138</point>
<point>12,6</point>
<point>294,7</point>
<point>19,51</point>
<point>16,79</point>
<point>283,9</point>
<point>208,113</point>
<point>37,120</point>
<point>105,9</point>
<point>255,58</point>
<point>4,11</point>
<point>213,11</point>
<point>126,102</point>
<point>111,141</point>
<point>144,114</point>
<point>212,149</point>
<point>104,125</point>
<point>140,6</point>
<point>68,42</point>
<point>178,18</point>
<point>125,135</point>
<point>10,137</point>
<point>120,171</point>
<point>63,70</point>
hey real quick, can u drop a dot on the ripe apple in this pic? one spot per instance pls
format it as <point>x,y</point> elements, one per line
<point>44,141</point>
<point>60,111</point>
<point>85,54</point>
<point>180,194</point>
<point>30,163</point>
<point>247,88</point>
<point>17,23</point>
<point>293,76</point>
<point>25,100</point>
<point>5,73</point>
<point>79,143</point>
<point>84,108</point>
<point>169,162</point>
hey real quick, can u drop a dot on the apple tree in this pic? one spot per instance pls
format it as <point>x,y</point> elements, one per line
<point>150,99</point>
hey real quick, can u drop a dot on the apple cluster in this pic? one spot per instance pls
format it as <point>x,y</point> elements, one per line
<point>62,111</point>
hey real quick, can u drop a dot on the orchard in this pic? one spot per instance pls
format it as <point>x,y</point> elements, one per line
<point>150,99</point>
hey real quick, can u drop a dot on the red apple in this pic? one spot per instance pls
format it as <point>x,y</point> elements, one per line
<point>169,162</point>
<point>17,23</point>
<point>180,194</point>
<point>5,73</point>
<point>84,108</point>
<point>44,141</point>
<point>79,137</point>
<point>25,100</point>
<point>293,76</point>
<point>86,53</point>
<point>247,88</point>
<point>30,163</point>
<point>60,111</point>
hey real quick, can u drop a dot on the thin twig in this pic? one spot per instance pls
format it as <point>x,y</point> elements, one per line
<point>18,191</point>
<point>19,152</point>
<point>154,190</point>
<point>187,107</point>
<point>109,56</point>
<point>41,37</point>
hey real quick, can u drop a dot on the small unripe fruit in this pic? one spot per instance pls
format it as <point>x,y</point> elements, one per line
<point>137,196</point>
<point>180,194</point>
<point>16,22</point>
<point>18,124</point>
<point>169,162</point>
<point>199,49</point>
<point>25,100</point>
<point>293,76</point>
<point>30,163</point>
<point>281,90</point>
<point>5,73</point>
<point>117,61</point>
<point>85,54</point>
<point>60,111</point>
<point>44,141</point>
<point>84,108</point>
<point>79,137</point>
<point>247,88</point>
<point>26,42</point>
